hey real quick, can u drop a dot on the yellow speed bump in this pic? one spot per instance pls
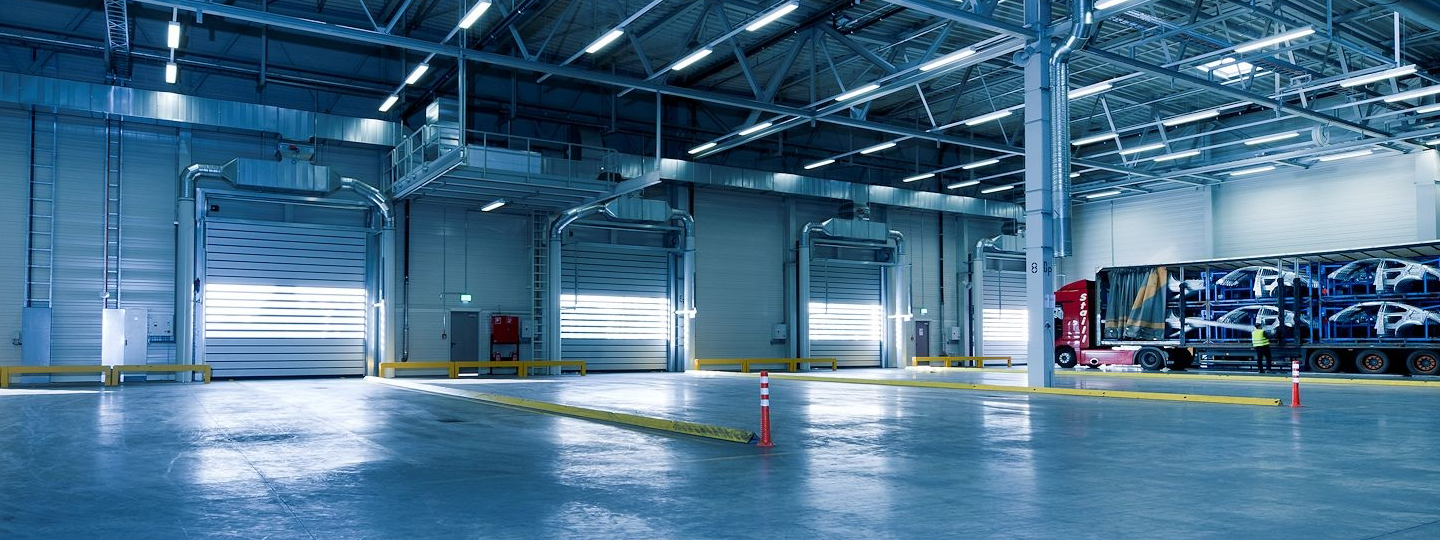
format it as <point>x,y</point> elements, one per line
<point>1122,394</point>
<point>1201,377</point>
<point>660,424</point>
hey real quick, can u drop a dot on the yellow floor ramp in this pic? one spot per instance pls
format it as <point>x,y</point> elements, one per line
<point>1121,394</point>
<point>611,417</point>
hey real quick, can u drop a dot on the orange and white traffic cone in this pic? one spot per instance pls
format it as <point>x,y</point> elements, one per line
<point>765,441</point>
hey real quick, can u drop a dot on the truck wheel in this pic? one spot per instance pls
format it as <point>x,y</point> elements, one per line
<point>1372,361</point>
<point>1423,362</point>
<point>1325,361</point>
<point>1150,358</point>
<point>1065,357</point>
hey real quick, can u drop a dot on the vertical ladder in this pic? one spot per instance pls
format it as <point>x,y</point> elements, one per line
<point>539,285</point>
<point>40,225</point>
<point>113,135</point>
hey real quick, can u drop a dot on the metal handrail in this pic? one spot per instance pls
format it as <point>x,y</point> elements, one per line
<point>494,152</point>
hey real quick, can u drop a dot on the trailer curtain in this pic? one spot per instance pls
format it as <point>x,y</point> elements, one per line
<point>1135,303</point>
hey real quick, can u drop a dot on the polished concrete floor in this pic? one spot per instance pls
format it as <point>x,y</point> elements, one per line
<point>353,459</point>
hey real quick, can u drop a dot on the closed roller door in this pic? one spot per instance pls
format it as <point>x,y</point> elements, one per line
<point>846,314</point>
<point>282,300</point>
<point>615,307</point>
<point>1003,312</point>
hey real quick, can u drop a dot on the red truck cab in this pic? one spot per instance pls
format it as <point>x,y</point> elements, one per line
<point>1078,322</point>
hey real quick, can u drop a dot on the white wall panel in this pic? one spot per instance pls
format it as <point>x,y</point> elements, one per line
<point>740,272</point>
<point>14,175</point>
<point>1169,226</point>
<point>1344,204</point>
<point>454,251</point>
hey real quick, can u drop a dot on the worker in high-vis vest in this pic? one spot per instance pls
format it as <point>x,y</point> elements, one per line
<point>1261,341</point>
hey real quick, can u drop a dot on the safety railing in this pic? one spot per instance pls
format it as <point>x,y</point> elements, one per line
<point>975,361</point>
<point>745,363</point>
<point>495,153</point>
<point>452,369</point>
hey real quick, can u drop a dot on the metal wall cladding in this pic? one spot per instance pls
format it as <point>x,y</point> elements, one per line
<point>922,247</point>
<point>79,241</point>
<point>1170,226</point>
<point>147,230</point>
<point>14,175</point>
<point>171,107</point>
<point>740,272</point>
<point>457,250</point>
<point>1356,202</point>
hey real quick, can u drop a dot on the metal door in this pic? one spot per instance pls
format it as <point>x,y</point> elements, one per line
<point>846,317</point>
<point>283,299</point>
<point>464,336</point>
<point>922,338</point>
<point>615,307</point>
<point>1003,313</point>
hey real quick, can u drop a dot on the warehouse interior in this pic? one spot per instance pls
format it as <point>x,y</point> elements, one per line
<point>541,268</point>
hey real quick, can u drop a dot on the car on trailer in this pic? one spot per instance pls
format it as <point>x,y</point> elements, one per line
<point>1369,310</point>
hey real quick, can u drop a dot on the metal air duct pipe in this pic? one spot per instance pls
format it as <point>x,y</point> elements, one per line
<point>388,279</point>
<point>1082,22</point>
<point>687,269</point>
<point>185,282</point>
<point>552,273</point>
<point>900,279</point>
<point>802,289</point>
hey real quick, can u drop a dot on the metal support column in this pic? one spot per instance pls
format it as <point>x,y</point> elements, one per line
<point>1039,200</point>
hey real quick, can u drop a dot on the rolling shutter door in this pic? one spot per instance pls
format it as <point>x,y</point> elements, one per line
<point>846,314</point>
<point>615,307</point>
<point>283,300</point>
<point>1003,313</point>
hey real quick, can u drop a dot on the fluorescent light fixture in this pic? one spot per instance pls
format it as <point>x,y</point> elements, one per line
<point>604,40</point>
<point>1376,77</point>
<point>987,117</point>
<point>1090,90</point>
<point>1142,148</point>
<point>1074,175</point>
<point>497,203</point>
<point>1177,155</point>
<point>1272,138</point>
<point>389,102</point>
<point>981,163</point>
<point>1347,155</point>
<point>1093,139</point>
<point>997,189</point>
<point>1275,39</point>
<point>1100,194</point>
<point>773,16</point>
<point>703,147</point>
<point>1192,117</point>
<point>1227,68</point>
<point>172,35</point>
<point>1427,109</point>
<point>1253,170</point>
<point>691,59</point>
<point>818,164</point>
<point>1107,4</point>
<point>878,147</point>
<point>857,92</point>
<point>474,14</point>
<point>1433,142</point>
<point>920,176</point>
<point>416,73</point>
<point>754,128</point>
<point>964,184</point>
<point>947,59</point>
<point>1418,92</point>
<point>171,72</point>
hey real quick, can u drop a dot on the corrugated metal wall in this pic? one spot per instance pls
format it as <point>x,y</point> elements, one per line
<point>1350,203</point>
<point>150,162</point>
<point>454,251</point>
<point>14,155</point>
<point>922,244</point>
<point>740,271</point>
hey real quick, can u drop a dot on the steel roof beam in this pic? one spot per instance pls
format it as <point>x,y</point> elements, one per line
<point>949,11</point>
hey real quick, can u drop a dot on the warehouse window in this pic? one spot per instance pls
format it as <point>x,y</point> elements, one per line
<point>614,317</point>
<point>845,322</point>
<point>279,311</point>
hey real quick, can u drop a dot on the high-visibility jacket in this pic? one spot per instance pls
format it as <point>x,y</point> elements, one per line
<point>1258,338</point>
